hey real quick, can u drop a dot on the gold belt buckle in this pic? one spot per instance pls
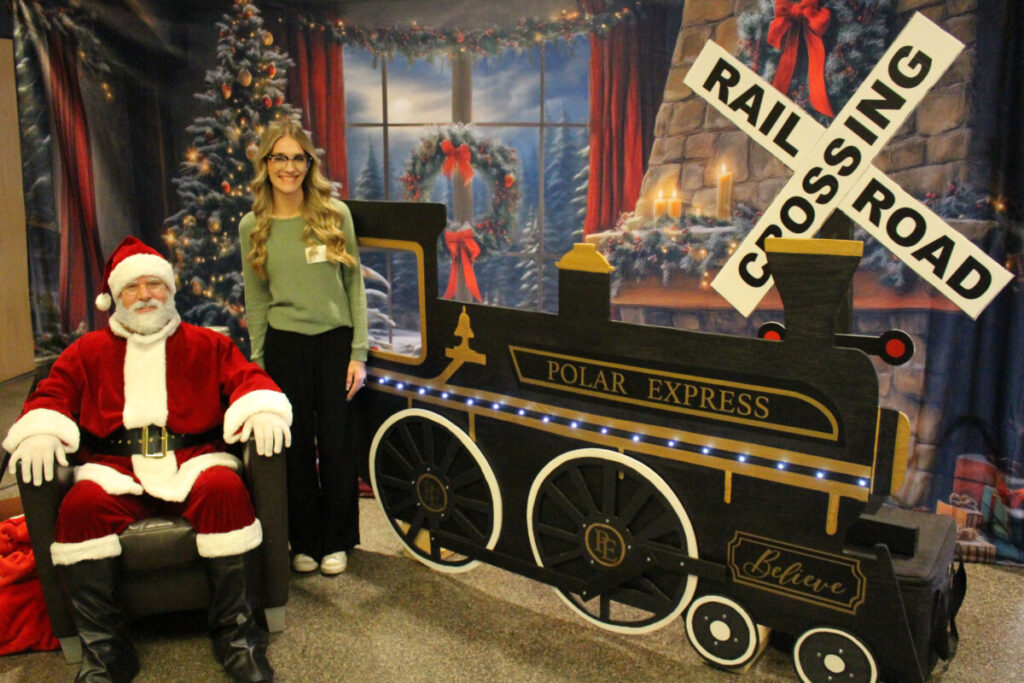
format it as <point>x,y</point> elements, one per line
<point>145,442</point>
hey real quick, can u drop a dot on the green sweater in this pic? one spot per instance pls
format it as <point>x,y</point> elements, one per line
<point>298,296</point>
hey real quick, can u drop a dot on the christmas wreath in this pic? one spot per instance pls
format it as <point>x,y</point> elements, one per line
<point>457,149</point>
<point>816,52</point>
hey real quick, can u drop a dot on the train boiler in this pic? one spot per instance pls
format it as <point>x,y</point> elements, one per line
<point>650,474</point>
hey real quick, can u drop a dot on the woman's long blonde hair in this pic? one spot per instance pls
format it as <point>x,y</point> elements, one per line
<point>322,218</point>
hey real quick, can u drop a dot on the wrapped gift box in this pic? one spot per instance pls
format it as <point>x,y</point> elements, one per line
<point>972,546</point>
<point>973,473</point>
<point>965,517</point>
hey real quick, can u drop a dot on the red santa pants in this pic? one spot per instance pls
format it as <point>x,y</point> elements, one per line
<point>217,504</point>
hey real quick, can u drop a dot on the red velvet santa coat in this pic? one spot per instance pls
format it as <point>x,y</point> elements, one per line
<point>180,377</point>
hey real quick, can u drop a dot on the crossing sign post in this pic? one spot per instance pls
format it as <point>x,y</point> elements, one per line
<point>832,169</point>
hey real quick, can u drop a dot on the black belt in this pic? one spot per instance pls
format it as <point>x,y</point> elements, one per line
<point>151,441</point>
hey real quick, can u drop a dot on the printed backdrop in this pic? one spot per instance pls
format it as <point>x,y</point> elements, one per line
<point>538,124</point>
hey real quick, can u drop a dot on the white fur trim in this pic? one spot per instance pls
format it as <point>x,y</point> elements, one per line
<point>161,478</point>
<point>137,266</point>
<point>104,302</point>
<point>230,542</point>
<point>110,480</point>
<point>93,549</point>
<point>247,405</point>
<point>43,421</point>
<point>145,382</point>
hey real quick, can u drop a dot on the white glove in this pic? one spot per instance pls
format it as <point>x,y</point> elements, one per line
<point>269,431</point>
<point>36,454</point>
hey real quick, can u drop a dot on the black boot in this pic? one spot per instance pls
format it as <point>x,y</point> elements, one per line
<point>239,643</point>
<point>107,652</point>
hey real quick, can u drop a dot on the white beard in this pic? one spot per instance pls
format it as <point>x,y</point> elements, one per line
<point>145,323</point>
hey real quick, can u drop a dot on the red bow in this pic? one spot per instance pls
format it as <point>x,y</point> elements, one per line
<point>1013,498</point>
<point>457,157</point>
<point>784,34</point>
<point>464,250</point>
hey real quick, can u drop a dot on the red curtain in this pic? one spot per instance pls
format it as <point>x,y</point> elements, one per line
<point>316,84</point>
<point>628,68</point>
<point>81,261</point>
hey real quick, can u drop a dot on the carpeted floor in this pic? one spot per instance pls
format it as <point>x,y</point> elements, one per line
<point>389,618</point>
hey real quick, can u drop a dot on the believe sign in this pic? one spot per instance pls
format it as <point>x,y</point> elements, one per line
<point>832,169</point>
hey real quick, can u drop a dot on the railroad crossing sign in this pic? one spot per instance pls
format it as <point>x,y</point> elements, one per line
<point>832,169</point>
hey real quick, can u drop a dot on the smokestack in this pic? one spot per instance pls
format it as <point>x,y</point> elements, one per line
<point>813,276</point>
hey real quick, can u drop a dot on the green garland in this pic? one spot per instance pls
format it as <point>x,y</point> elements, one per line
<point>667,246</point>
<point>692,245</point>
<point>496,162</point>
<point>415,42</point>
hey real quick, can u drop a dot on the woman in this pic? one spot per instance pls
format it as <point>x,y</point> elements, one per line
<point>306,312</point>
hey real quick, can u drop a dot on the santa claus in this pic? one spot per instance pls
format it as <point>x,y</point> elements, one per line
<point>142,404</point>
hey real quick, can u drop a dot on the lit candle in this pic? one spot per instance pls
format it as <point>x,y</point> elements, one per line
<point>675,205</point>
<point>723,208</point>
<point>660,205</point>
<point>644,209</point>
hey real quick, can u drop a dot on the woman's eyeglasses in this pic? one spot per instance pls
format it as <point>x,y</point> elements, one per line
<point>300,160</point>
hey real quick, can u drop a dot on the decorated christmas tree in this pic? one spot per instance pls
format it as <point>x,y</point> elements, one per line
<point>245,90</point>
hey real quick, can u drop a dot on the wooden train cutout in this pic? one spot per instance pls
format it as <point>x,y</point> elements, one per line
<point>650,474</point>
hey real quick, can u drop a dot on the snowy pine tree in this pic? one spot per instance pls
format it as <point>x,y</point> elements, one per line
<point>538,277</point>
<point>245,90</point>
<point>562,166</point>
<point>370,183</point>
<point>581,183</point>
<point>40,206</point>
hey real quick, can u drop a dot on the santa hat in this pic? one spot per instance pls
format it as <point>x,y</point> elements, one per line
<point>131,260</point>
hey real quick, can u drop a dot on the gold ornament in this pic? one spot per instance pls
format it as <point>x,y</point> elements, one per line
<point>251,150</point>
<point>214,225</point>
<point>268,38</point>
<point>189,221</point>
<point>245,77</point>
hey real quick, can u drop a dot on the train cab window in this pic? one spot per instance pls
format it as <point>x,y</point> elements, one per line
<point>395,301</point>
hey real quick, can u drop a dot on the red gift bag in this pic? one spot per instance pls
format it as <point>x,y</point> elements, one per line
<point>26,625</point>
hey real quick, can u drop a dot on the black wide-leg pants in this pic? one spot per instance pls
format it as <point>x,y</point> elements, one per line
<point>323,496</point>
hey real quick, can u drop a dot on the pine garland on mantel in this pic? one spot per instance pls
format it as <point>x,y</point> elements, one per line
<point>417,42</point>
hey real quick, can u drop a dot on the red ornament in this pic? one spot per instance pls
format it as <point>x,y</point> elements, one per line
<point>278,100</point>
<point>225,90</point>
<point>225,187</point>
<point>267,102</point>
<point>271,70</point>
<point>509,180</point>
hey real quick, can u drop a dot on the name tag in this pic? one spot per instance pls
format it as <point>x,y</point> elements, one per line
<point>317,254</point>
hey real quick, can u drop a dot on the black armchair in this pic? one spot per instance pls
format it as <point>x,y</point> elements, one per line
<point>151,547</point>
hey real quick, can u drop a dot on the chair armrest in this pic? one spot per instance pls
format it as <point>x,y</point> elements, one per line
<point>267,481</point>
<point>41,504</point>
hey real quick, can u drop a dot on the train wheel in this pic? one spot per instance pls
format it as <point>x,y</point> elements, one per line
<point>723,633</point>
<point>828,654</point>
<point>428,475</point>
<point>598,516</point>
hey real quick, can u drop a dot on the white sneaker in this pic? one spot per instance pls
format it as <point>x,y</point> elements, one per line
<point>335,563</point>
<point>303,563</point>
